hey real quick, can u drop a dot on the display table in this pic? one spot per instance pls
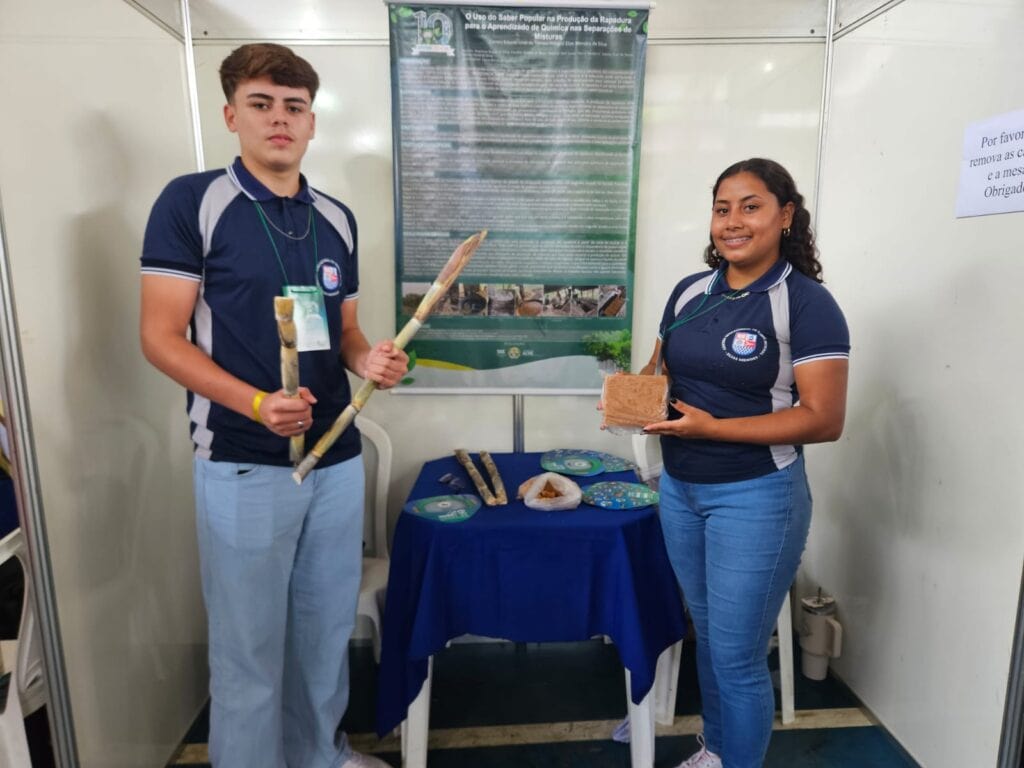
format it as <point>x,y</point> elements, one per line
<point>523,575</point>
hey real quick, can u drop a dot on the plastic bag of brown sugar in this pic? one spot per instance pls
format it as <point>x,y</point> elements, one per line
<point>632,401</point>
<point>550,491</point>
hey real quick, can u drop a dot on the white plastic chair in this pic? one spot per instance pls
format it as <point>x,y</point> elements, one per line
<point>29,658</point>
<point>784,639</point>
<point>13,741</point>
<point>375,568</point>
<point>647,455</point>
<point>27,691</point>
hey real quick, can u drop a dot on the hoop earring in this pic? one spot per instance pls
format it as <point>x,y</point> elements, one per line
<point>785,232</point>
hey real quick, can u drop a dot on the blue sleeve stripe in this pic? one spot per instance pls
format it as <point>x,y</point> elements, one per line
<point>351,296</point>
<point>164,271</point>
<point>822,356</point>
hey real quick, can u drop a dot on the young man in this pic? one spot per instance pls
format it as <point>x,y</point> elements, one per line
<point>281,563</point>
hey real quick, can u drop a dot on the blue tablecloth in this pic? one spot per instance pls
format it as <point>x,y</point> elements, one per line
<point>523,575</point>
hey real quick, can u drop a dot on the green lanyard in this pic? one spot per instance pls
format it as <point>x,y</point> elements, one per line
<point>266,227</point>
<point>739,293</point>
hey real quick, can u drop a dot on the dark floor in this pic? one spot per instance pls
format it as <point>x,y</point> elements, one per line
<point>529,684</point>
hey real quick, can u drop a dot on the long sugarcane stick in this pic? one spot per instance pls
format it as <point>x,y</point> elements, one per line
<point>456,262</point>
<point>284,309</point>
<point>495,499</point>
<point>492,471</point>
<point>474,474</point>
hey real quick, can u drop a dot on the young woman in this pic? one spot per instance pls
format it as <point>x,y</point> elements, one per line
<point>757,352</point>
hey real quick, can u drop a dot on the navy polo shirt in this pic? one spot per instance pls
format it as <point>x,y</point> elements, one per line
<point>734,355</point>
<point>205,227</point>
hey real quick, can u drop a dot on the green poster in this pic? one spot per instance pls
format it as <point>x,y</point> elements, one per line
<point>525,122</point>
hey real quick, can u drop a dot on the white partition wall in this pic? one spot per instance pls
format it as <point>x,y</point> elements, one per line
<point>95,122</point>
<point>350,158</point>
<point>918,526</point>
<point>754,89</point>
<point>706,105</point>
<point>918,529</point>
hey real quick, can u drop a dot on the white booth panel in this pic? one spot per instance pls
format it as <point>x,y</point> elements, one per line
<point>850,12</point>
<point>354,20</point>
<point>738,18</point>
<point>305,20</point>
<point>164,12</point>
<point>96,125</point>
<point>350,159</point>
<point>706,107</point>
<point>918,529</point>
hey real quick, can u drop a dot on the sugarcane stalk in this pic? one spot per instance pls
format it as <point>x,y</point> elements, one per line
<point>492,472</point>
<point>455,264</point>
<point>284,313</point>
<point>478,481</point>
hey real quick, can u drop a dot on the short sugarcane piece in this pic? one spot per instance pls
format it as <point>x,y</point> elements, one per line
<point>492,471</point>
<point>284,309</point>
<point>474,474</point>
<point>456,263</point>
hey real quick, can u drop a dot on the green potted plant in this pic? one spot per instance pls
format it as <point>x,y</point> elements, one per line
<point>613,349</point>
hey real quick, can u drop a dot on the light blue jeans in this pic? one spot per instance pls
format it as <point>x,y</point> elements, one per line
<point>735,548</point>
<point>281,565</point>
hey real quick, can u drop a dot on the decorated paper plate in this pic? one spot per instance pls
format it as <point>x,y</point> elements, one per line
<point>566,461</point>
<point>571,461</point>
<point>453,508</point>
<point>617,495</point>
<point>611,462</point>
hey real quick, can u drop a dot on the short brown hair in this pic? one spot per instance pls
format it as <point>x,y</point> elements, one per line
<point>277,62</point>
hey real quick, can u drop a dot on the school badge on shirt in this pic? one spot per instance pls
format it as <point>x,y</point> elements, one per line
<point>330,276</point>
<point>744,344</point>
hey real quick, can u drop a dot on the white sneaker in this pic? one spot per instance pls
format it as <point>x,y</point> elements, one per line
<point>703,758</point>
<point>359,760</point>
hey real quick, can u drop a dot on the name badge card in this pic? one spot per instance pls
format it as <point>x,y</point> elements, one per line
<point>310,318</point>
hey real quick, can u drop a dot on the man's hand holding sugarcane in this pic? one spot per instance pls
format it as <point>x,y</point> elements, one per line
<point>351,349</point>
<point>284,415</point>
<point>384,365</point>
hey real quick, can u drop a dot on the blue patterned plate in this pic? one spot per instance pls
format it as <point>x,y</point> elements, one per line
<point>614,494</point>
<point>576,461</point>
<point>567,461</point>
<point>611,462</point>
<point>452,508</point>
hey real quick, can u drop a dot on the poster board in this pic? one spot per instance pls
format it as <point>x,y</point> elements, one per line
<point>524,121</point>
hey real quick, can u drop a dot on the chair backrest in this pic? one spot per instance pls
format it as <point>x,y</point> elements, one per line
<point>378,480</point>
<point>647,455</point>
<point>29,669</point>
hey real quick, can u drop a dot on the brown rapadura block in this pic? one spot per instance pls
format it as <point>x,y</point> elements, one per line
<point>634,400</point>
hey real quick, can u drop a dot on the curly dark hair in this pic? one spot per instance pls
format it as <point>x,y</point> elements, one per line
<point>278,62</point>
<point>798,247</point>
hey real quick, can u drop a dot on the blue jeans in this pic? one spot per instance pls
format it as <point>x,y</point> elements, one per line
<point>281,565</point>
<point>735,548</point>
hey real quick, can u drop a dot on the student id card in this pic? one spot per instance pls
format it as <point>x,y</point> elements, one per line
<point>310,317</point>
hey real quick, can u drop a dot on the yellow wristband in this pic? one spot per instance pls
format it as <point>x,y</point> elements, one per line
<point>257,400</point>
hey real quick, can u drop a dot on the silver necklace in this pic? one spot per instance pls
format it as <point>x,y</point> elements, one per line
<point>270,221</point>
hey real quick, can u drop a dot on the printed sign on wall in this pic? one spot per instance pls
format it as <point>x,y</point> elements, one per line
<point>992,167</point>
